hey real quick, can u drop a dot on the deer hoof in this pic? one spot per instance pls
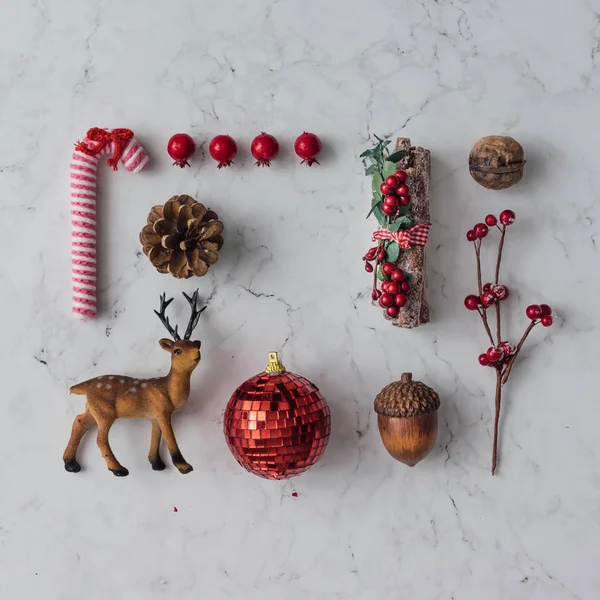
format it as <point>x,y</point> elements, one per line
<point>122,472</point>
<point>185,468</point>
<point>157,464</point>
<point>72,466</point>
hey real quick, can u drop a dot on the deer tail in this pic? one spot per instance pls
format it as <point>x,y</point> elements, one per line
<point>79,388</point>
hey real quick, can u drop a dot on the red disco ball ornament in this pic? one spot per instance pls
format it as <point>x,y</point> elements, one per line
<point>277,424</point>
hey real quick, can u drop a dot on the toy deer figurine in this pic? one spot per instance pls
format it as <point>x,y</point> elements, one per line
<point>112,396</point>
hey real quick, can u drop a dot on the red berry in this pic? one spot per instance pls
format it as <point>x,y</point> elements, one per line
<point>507,217</point>
<point>546,310</point>
<point>405,286</point>
<point>547,320</point>
<point>368,267</point>
<point>400,300</point>
<point>494,354</point>
<point>507,348</point>
<point>384,286</point>
<point>403,190</point>
<point>390,200</point>
<point>472,302</point>
<point>392,181</point>
<point>370,255</point>
<point>487,287</point>
<point>375,294</point>
<point>385,189</point>
<point>481,230</point>
<point>487,298</point>
<point>500,292</point>
<point>392,311</point>
<point>264,148</point>
<point>491,221</point>
<point>223,149</point>
<point>534,311</point>
<point>381,255</point>
<point>401,175</point>
<point>307,146</point>
<point>393,287</point>
<point>388,268</point>
<point>386,209</point>
<point>483,360</point>
<point>404,200</point>
<point>471,237</point>
<point>386,300</point>
<point>397,275</point>
<point>180,147</point>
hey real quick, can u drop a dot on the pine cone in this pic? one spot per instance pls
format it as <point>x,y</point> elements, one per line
<point>182,237</point>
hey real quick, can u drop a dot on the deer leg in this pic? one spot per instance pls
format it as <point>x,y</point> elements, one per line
<point>104,424</point>
<point>164,421</point>
<point>81,424</point>
<point>154,454</point>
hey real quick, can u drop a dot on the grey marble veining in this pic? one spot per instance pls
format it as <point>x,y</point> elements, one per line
<point>290,279</point>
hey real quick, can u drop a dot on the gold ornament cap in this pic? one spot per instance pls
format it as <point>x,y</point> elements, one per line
<point>274,365</point>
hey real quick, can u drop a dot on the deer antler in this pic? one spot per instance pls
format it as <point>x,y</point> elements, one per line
<point>193,301</point>
<point>164,303</point>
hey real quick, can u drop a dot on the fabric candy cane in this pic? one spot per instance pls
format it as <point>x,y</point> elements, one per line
<point>84,163</point>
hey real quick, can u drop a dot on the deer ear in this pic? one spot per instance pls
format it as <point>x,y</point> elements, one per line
<point>197,344</point>
<point>166,344</point>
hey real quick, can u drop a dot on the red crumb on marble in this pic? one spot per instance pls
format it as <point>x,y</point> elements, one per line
<point>175,509</point>
<point>294,494</point>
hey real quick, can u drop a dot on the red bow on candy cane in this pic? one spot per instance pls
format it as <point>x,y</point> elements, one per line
<point>100,137</point>
<point>405,238</point>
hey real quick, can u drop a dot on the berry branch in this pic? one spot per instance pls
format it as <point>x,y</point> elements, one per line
<point>501,355</point>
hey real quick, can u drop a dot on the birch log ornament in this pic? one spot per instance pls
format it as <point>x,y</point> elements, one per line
<point>400,204</point>
<point>112,396</point>
<point>83,167</point>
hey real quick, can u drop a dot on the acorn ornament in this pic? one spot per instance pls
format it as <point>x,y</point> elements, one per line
<point>407,419</point>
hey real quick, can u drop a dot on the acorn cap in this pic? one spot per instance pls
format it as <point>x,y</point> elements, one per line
<point>406,398</point>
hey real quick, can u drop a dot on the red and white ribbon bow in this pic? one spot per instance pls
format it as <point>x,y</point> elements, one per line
<point>405,238</point>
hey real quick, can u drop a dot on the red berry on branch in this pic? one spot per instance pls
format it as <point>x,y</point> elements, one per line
<point>180,147</point>
<point>392,311</point>
<point>385,189</point>
<point>307,146</point>
<point>397,275</point>
<point>500,292</point>
<point>404,200</point>
<point>390,200</point>
<point>507,348</point>
<point>547,320</point>
<point>481,230</point>
<point>534,311</point>
<point>487,299</point>
<point>491,221</point>
<point>393,287</point>
<point>400,300</point>
<point>388,210</point>
<point>368,267</point>
<point>392,181</point>
<point>264,148</point>
<point>471,237</point>
<point>507,217</point>
<point>487,287</point>
<point>223,149</point>
<point>386,300</point>
<point>375,294</point>
<point>405,286</point>
<point>388,268</point>
<point>403,190</point>
<point>371,253</point>
<point>483,360</point>
<point>401,175</point>
<point>546,310</point>
<point>384,286</point>
<point>381,255</point>
<point>494,354</point>
<point>472,302</point>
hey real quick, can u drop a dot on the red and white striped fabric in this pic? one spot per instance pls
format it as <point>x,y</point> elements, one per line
<point>84,164</point>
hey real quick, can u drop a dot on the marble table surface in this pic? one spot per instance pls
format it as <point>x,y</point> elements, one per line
<point>290,278</point>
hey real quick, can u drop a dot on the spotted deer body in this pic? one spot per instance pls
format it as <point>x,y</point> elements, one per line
<point>110,397</point>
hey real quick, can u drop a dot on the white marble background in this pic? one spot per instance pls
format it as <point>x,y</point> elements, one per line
<point>290,279</point>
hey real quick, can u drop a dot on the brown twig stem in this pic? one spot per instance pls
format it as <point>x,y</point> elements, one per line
<point>477,245</point>
<point>483,316</point>
<point>497,419</point>
<point>511,362</point>
<point>500,248</point>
